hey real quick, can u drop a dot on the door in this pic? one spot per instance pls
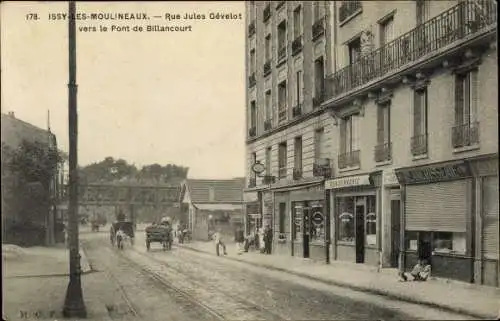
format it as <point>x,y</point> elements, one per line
<point>395,231</point>
<point>307,231</point>
<point>360,232</point>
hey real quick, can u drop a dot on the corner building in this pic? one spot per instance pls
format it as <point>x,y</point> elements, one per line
<point>409,109</point>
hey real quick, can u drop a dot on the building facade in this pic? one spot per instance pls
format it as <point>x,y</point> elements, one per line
<point>407,123</point>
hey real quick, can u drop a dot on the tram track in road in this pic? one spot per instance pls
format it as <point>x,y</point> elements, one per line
<point>241,305</point>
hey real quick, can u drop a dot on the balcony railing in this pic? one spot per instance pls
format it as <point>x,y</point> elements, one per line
<point>297,111</point>
<point>297,45</point>
<point>268,124</point>
<point>251,28</point>
<point>458,22</point>
<point>252,182</point>
<point>348,8</point>
<point>267,67</point>
<point>282,172</point>
<point>251,80</point>
<point>321,170</point>
<point>280,4</point>
<point>282,114</point>
<point>297,173</point>
<point>318,28</point>
<point>252,131</point>
<point>383,152</point>
<point>465,135</point>
<point>350,159</point>
<point>281,54</point>
<point>267,12</point>
<point>268,179</point>
<point>419,145</point>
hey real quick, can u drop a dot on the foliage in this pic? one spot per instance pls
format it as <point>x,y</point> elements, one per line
<point>111,169</point>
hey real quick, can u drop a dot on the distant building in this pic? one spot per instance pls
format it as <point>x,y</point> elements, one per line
<point>212,204</point>
<point>14,132</point>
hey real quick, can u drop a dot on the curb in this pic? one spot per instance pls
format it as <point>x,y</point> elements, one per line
<point>381,292</point>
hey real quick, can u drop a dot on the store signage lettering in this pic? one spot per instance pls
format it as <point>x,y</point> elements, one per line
<point>348,182</point>
<point>434,174</point>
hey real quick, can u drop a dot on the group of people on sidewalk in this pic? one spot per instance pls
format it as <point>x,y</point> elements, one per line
<point>260,239</point>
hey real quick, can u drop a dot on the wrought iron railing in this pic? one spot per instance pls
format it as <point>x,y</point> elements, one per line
<point>268,179</point>
<point>267,13</point>
<point>347,8</point>
<point>267,67</point>
<point>454,24</point>
<point>297,45</point>
<point>349,159</point>
<point>252,182</point>
<point>252,131</point>
<point>282,114</point>
<point>297,173</point>
<point>465,135</point>
<point>251,80</point>
<point>419,145</point>
<point>297,111</point>
<point>383,152</point>
<point>268,124</point>
<point>322,170</point>
<point>251,28</point>
<point>282,172</point>
<point>281,54</point>
<point>318,28</point>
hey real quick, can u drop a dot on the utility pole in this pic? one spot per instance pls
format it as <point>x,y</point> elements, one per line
<point>74,307</point>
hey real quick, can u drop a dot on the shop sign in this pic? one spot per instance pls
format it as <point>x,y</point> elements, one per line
<point>348,182</point>
<point>389,177</point>
<point>317,218</point>
<point>434,173</point>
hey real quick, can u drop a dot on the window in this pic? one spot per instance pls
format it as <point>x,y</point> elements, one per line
<point>411,240</point>
<point>282,36</point>
<point>282,160</point>
<point>297,23</point>
<point>420,112</point>
<point>345,210</point>
<point>282,105</point>
<point>448,242</point>
<point>282,219</point>
<point>387,31</point>
<point>252,61</point>
<point>466,96</point>
<point>354,50</point>
<point>298,215</point>
<point>298,82</point>
<point>317,219</point>
<point>268,47</point>
<point>268,105</point>
<point>253,114</point>
<point>371,221</point>
<point>319,77</point>
<point>318,143</point>
<point>349,134</point>
<point>298,154</point>
<point>384,123</point>
<point>268,161</point>
<point>422,11</point>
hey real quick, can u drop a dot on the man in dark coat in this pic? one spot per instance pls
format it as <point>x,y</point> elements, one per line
<point>268,239</point>
<point>239,237</point>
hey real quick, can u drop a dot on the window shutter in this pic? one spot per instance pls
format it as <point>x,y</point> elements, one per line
<point>380,124</point>
<point>343,135</point>
<point>467,98</point>
<point>459,100</point>
<point>474,83</point>
<point>417,113</point>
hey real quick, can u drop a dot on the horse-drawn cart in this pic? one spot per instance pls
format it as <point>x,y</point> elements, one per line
<point>120,232</point>
<point>161,233</point>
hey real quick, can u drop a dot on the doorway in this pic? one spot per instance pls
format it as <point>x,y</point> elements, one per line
<point>360,230</point>
<point>307,231</point>
<point>395,231</point>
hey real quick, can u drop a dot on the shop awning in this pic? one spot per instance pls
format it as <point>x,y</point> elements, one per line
<point>219,207</point>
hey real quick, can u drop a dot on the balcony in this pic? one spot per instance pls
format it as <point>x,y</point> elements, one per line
<point>297,173</point>
<point>383,152</point>
<point>280,4</point>
<point>252,131</point>
<point>348,8</point>
<point>267,68</point>
<point>268,179</point>
<point>318,28</point>
<point>282,114</point>
<point>350,159</point>
<point>322,170</point>
<point>251,28</point>
<point>252,182</point>
<point>268,124</point>
<point>419,145</point>
<point>450,26</point>
<point>281,55</point>
<point>251,80</point>
<point>267,13</point>
<point>465,135</point>
<point>297,111</point>
<point>282,172</point>
<point>297,46</point>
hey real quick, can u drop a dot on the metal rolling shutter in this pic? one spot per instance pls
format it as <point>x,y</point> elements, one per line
<point>490,218</point>
<point>437,207</point>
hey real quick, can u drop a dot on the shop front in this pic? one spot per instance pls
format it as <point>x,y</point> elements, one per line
<point>253,212</point>
<point>354,218</point>
<point>438,220</point>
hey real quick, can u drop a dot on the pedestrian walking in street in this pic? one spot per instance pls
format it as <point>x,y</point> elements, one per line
<point>268,239</point>
<point>240,239</point>
<point>219,241</point>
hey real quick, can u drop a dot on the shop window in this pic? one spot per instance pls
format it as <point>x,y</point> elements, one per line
<point>317,223</point>
<point>345,210</point>
<point>298,214</point>
<point>411,240</point>
<point>448,242</point>
<point>371,221</point>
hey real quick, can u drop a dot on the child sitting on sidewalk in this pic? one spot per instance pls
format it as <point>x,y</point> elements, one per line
<point>421,271</point>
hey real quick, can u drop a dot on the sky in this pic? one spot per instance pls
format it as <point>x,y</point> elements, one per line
<point>146,97</point>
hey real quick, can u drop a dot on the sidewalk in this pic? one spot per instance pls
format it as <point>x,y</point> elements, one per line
<point>35,282</point>
<point>477,301</point>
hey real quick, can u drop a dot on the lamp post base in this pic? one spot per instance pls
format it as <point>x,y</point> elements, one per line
<point>74,307</point>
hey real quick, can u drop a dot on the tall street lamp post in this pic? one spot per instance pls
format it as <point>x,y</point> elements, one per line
<point>74,307</point>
